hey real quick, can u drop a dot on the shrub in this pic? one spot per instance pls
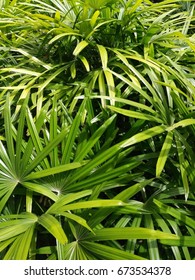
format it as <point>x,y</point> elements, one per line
<point>97,130</point>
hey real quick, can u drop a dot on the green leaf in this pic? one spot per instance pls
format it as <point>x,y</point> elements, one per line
<point>46,150</point>
<point>11,228</point>
<point>105,252</point>
<point>54,170</point>
<point>7,186</point>
<point>53,226</point>
<point>111,84</point>
<point>94,138</point>
<point>73,70</point>
<point>134,114</point>
<point>6,243</point>
<point>81,45</point>
<point>89,204</point>
<point>59,36</point>
<point>183,170</point>
<point>77,219</point>
<point>97,160</point>
<point>94,18</point>
<point>124,195</point>
<point>32,58</point>
<point>22,71</point>
<point>85,62</point>
<point>164,153</point>
<point>134,7</point>
<point>187,241</point>
<point>20,248</point>
<point>29,147</point>
<point>100,178</point>
<point>5,160</point>
<point>75,251</point>
<point>35,137</point>
<point>125,101</point>
<point>20,131</point>
<point>176,213</point>
<point>72,134</point>
<point>130,233</point>
<point>65,199</point>
<point>54,132</point>
<point>39,188</point>
<point>102,87</point>
<point>97,4</point>
<point>142,136</point>
<point>9,131</point>
<point>153,249</point>
<point>103,55</point>
<point>152,30</point>
<point>182,123</point>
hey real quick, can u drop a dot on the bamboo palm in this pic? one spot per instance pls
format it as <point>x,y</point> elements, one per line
<point>97,129</point>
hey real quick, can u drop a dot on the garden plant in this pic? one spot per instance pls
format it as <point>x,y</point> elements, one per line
<point>97,130</point>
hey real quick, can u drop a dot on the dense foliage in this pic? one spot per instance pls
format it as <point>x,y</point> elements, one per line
<point>97,129</point>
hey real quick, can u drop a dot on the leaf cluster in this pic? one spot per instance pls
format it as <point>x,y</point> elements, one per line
<point>97,129</point>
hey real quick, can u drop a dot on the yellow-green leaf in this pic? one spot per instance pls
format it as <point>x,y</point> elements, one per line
<point>57,16</point>
<point>77,219</point>
<point>130,233</point>
<point>182,123</point>
<point>59,36</point>
<point>103,55</point>
<point>55,170</point>
<point>80,47</point>
<point>110,84</point>
<point>94,18</point>
<point>73,71</point>
<point>85,62</point>
<point>142,136</point>
<point>134,114</point>
<point>90,204</point>
<point>53,226</point>
<point>164,153</point>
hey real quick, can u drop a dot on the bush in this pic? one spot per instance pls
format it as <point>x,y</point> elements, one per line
<point>97,130</point>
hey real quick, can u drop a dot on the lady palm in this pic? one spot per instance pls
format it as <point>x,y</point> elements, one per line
<point>97,130</point>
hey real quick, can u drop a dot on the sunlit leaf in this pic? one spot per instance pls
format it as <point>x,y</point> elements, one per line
<point>103,55</point>
<point>164,153</point>
<point>80,47</point>
<point>53,226</point>
<point>89,204</point>
<point>175,213</point>
<point>106,252</point>
<point>131,233</point>
<point>142,136</point>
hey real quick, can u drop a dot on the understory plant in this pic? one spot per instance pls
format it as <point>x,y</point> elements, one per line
<point>97,129</point>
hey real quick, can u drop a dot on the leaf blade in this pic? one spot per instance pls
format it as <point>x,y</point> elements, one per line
<point>164,153</point>
<point>54,227</point>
